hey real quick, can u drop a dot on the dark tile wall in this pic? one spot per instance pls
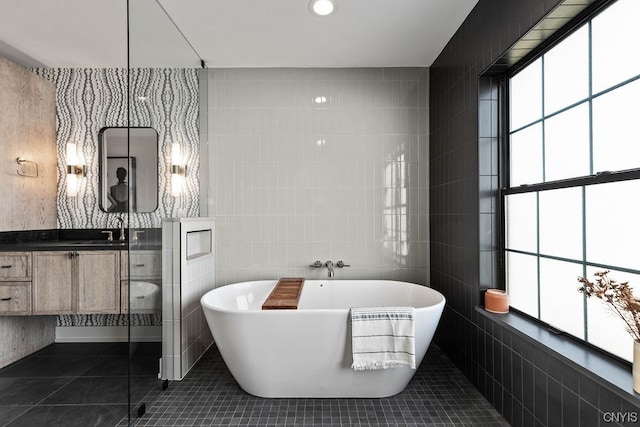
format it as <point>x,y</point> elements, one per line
<point>526,383</point>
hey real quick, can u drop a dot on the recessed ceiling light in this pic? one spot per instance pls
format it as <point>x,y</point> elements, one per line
<point>322,7</point>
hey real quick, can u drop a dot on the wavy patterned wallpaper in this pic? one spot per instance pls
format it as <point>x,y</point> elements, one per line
<point>90,99</point>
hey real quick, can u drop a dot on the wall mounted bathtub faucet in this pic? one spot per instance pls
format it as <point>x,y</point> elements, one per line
<point>328,264</point>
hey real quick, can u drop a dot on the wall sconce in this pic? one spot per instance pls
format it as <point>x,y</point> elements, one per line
<point>75,171</point>
<point>178,170</point>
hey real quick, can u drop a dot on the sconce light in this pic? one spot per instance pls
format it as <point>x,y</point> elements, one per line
<point>75,171</point>
<point>178,170</point>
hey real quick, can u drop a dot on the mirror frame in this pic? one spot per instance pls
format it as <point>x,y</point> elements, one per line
<point>103,170</point>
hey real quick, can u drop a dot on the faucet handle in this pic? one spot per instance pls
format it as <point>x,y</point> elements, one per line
<point>341,264</point>
<point>316,264</point>
<point>109,235</point>
<point>136,235</point>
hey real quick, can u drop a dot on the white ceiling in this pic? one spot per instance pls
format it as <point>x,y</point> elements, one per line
<point>232,33</point>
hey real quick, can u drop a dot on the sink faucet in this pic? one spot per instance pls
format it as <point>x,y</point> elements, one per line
<point>330,268</point>
<point>136,235</point>
<point>120,222</point>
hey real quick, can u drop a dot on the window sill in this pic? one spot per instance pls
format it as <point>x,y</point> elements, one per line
<point>611,373</point>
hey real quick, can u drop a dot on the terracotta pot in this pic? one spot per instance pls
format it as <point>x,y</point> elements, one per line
<point>636,366</point>
<point>497,301</point>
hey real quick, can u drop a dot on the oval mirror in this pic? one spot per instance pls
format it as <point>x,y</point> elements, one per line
<point>128,172</point>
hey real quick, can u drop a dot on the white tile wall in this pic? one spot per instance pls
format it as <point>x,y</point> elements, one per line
<point>293,181</point>
<point>185,333</point>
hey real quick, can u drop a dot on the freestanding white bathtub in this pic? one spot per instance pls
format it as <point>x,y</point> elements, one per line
<point>307,352</point>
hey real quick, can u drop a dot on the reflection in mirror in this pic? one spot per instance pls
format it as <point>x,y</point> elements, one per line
<point>128,172</point>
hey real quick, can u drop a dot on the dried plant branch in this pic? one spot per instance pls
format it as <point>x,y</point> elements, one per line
<point>618,298</point>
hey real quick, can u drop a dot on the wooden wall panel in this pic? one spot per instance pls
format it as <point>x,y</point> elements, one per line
<point>28,131</point>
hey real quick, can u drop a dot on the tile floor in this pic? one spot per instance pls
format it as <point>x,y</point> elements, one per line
<point>438,395</point>
<point>78,384</point>
<point>86,385</point>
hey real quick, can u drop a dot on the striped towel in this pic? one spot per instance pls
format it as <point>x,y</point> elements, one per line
<point>382,337</point>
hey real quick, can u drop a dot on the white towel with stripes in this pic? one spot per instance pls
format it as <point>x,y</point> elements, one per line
<point>382,337</point>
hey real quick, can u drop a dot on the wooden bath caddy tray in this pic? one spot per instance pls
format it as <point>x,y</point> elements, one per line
<point>285,295</point>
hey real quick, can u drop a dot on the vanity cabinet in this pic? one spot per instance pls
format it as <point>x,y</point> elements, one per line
<point>54,287</point>
<point>75,282</point>
<point>139,265</point>
<point>15,266</point>
<point>15,298</point>
<point>98,282</point>
<point>15,283</point>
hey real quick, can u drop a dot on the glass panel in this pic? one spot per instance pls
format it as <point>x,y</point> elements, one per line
<point>566,144</point>
<point>522,282</point>
<point>521,220</point>
<point>561,305</point>
<point>605,328</point>
<point>566,72</point>
<point>613,229</point>
<point>561,223</point>
<point>162,87</point>
<point>526,156</point>
<point>616,126</point>
<point>615,38</point>
<point>526,96</point>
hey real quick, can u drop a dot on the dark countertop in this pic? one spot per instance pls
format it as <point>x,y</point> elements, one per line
<point>76,240</point>
<point>64,245</point>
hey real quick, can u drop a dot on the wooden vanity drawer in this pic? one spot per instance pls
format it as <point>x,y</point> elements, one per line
<point>141,264</point>
<point>15,266</point>
<point>15,298</point>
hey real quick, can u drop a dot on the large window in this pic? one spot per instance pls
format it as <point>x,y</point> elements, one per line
<point>572,203</point>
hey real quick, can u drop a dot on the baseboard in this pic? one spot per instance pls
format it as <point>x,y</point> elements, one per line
<point>108,334</point>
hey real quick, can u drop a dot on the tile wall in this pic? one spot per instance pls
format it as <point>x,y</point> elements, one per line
<point>526,382</point>
<point>187,274</point>
<point>319,164</point>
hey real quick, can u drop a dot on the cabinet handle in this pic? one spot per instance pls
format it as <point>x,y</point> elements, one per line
<point>139,265</point>
<point>6,299</point>
<point>7,266</point>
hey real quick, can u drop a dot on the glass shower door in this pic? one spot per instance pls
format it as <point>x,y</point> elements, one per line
<point>162,83</point>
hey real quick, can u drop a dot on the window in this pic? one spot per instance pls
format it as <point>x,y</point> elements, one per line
<point>572,202</point>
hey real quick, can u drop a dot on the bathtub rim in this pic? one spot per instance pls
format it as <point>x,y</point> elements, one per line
<point>205,304</point>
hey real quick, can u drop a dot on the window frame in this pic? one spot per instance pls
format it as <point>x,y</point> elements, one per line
<point>596,178</point>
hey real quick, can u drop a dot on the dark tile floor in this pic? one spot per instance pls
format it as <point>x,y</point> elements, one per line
<point>78,384</point>
<point>438,395</point>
